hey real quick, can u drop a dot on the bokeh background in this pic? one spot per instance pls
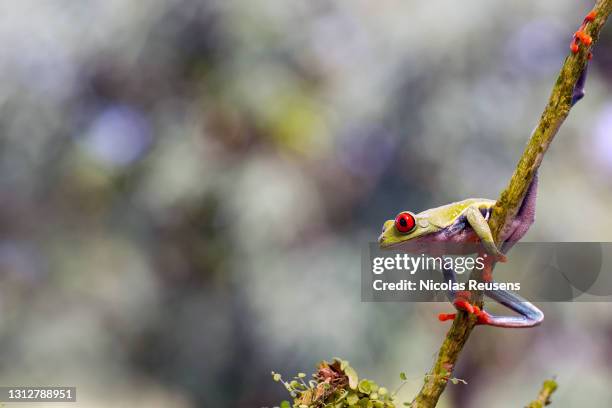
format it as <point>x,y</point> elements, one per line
<point>186,188</point>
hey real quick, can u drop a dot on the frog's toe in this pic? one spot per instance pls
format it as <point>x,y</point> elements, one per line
<point>446,316</point>
<point>463,304</point>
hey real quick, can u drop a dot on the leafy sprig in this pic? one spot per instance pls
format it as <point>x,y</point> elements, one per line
<point>335,385</point>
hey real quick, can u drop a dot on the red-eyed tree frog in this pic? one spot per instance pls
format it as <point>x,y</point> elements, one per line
<point>467,221</point>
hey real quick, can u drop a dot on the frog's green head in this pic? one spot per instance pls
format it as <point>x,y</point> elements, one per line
<point>406,227</point>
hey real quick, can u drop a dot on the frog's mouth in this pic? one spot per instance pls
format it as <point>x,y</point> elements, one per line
<point>423,244</point>
<point>383,243</point>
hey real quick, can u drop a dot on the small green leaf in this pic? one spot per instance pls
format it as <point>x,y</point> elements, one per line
<point>403,376</point>
<point>352,399</point>
<point>374,396</point>
<point>352,377</point>
<point>364,386</point>
<point>276,377</point>
<point>301,375</point>
<point>454,381</point>
<point>366,403</point>
<point>383,391</point>
<point>343,364</point>
<point>285,404</point>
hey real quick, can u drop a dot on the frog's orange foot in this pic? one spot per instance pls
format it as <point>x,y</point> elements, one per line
<point>580,36</point>
<point>574,47</point>
<point>483,317</point>
<point>591,16</point>
<point>461,303</point>
<point>584,37</point>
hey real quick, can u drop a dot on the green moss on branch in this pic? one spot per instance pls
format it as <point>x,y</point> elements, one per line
<point>543,398</point>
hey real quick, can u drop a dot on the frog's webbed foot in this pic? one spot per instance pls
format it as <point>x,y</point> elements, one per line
<point>581,36</point>
<point>462,302</point>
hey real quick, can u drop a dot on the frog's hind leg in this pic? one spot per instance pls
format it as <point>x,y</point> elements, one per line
<point>578,92</point>
<point>526,214</point>
<point>529,315</point>
<point>524,217</point>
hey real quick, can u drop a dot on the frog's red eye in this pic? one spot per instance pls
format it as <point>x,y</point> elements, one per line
<point>405,222</point>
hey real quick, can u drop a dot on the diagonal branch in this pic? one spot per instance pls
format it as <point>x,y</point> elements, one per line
<point>557,109</point>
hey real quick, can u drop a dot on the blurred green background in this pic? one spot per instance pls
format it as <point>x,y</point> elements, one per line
<point>186,188</point>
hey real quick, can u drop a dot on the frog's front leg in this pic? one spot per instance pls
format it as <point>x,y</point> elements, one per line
<point>481,227</point>
<point>518,227</point>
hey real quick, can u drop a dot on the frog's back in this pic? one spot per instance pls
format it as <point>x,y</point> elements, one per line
<point>450,213</point>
